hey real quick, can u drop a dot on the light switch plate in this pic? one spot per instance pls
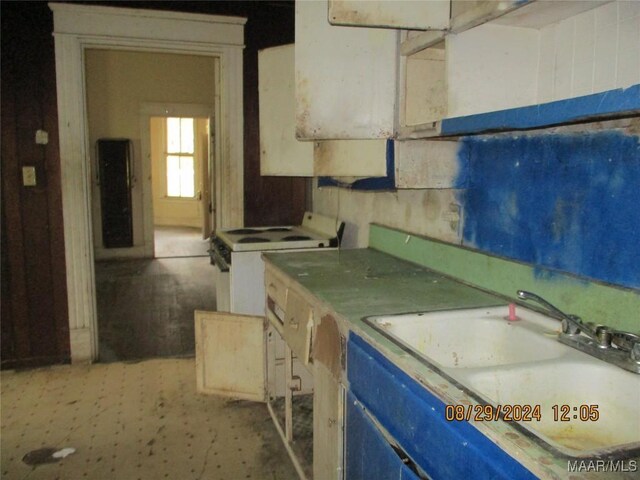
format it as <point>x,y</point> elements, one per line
<point>42,137</point>
<point>29,176</point>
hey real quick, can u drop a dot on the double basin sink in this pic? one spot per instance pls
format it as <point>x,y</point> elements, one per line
<point>583,407</point>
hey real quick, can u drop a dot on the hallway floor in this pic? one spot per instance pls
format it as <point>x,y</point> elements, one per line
<point>145,306</point>
<point>133,421</point>
<point>172,242</point>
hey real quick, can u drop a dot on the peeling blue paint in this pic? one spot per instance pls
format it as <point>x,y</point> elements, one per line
<point>569,202</point>
<point>621,101</point>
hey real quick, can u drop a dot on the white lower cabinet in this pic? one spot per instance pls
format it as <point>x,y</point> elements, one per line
<point>307,404</point>
<point>293,360</point>
<point>328,426</point>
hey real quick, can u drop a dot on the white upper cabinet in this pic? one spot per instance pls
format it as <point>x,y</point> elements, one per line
<point>280,152</point>
<point>407,14</point>
<point>501,56</point>
<point>345,77</point>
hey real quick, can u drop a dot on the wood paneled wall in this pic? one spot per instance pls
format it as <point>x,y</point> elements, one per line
<point>34,317</point>
<point>34,295</point>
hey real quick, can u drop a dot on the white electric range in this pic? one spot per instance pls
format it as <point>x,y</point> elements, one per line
<point>236,253</point>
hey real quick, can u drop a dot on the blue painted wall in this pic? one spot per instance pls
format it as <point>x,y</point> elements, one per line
<point>569,202</point>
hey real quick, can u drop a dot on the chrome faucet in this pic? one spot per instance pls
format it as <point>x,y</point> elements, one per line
<point>571,324</point>
<point>613,346</point>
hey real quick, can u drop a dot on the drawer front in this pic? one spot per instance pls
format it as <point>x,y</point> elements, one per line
<point>298,324</point>
<point>415,418</point>
<point>276,290</point>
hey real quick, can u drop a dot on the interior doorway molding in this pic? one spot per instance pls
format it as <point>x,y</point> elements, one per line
<point>79,27</point>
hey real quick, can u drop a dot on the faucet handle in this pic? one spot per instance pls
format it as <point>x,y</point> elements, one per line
<point>627,341</point>
<point>573,327</point>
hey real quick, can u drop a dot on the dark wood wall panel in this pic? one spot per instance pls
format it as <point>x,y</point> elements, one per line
<point>34,307</point>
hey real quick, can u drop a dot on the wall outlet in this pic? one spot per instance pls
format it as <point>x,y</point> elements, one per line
<point>29,176</point>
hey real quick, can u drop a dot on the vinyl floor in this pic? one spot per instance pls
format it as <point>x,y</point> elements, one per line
<point>132,421</point>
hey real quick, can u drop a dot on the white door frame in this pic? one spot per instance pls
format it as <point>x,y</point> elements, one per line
<point>147,111</point>
<point>79,27</point>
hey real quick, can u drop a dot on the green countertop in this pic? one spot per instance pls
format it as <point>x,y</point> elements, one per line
<point>363,282</point>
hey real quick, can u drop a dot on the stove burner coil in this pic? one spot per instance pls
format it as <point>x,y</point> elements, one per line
<point>294,238</point>
<point>243,231</point>
<point>278,229</point>
<point>253,240</point>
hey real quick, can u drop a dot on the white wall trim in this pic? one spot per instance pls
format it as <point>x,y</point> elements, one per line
<point>78,27</point>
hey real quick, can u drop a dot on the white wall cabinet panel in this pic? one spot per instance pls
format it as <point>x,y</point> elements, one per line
<point>412,14</point>
<point>491,67</point>
<point>345,78</point>
<point>350,158</point>
<point>590,52</point>
<point>505,55</point>
<point>423,98</point>
<point>280,152</point>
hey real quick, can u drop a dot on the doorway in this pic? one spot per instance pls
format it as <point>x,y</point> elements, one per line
<point>78,28</point>
<point>181,185</point>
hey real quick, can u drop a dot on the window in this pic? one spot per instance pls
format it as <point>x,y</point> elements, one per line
<point>180,157</point>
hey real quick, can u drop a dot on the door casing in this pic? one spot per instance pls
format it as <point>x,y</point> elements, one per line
<point>79,27</point>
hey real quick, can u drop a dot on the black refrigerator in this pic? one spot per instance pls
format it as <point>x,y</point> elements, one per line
<point>115,182</point>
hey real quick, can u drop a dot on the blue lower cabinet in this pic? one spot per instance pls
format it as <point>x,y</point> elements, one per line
<point>369,455</point>
<point>415,419</point>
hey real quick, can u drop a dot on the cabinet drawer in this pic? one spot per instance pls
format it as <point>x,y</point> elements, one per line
<point>276,290</point>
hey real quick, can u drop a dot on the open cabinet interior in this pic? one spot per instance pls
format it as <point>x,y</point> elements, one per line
<point>425,86</point>
<point>290,400</point>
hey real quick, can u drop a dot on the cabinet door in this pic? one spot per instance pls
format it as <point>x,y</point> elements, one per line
<point>369,453</point>
<point>327,425</point>
<point>350,158</point>
<point>230,355</point>
<point>345,78</point>
<point>280,152</point>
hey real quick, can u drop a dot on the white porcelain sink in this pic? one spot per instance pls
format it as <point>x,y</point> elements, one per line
<point>502,362</point>
<point>475,337</point>
<point>578,385</point>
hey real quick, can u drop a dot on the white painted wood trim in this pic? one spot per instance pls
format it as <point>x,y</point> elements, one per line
<point>147,24</point>
<point>113,28</point>
<point>76,204</point>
